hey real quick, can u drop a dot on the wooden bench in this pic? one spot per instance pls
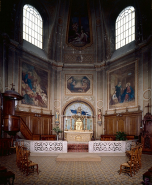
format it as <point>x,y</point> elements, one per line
<point>48,137</point>
<point>113,137</point>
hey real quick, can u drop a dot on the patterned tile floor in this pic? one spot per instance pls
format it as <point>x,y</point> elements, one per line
<point>76,173</point>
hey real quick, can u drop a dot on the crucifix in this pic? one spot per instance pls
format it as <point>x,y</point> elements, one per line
<point>148,107</point>
<point>12,87</point>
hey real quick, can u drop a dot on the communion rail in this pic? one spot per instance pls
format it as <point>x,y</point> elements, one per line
<point>51,147</point>
<point>111,146</point>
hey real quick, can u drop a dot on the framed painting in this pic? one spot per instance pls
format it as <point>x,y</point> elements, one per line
<point>122,86</point>
<point>78,85</point>
<point>34,86</point>
<point>79,34</point>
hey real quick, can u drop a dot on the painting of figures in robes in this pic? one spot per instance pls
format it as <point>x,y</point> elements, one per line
<point>76,84</point>
<point>79,25</point>
<point>122,88</point>
<point>34,87</point>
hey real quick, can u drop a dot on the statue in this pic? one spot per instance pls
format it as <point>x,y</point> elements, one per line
<point>99,117</point>
<point>57,117</point>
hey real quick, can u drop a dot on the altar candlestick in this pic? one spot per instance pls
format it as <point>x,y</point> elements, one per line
<point>71,124</point>
<point>66,125</point>
<point>86,123</point>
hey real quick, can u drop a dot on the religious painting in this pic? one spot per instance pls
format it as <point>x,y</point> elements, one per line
<point>122,86</point>
<point>79,33</point>
<point>34,87</point>
<point>78,84</point>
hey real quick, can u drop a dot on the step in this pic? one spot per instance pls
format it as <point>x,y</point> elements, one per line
<point>74,147</point>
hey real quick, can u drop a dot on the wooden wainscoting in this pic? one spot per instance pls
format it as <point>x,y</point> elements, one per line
<point>128,122</point>
<point>33,125</point>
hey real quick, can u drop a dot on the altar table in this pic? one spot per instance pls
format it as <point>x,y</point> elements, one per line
<point>80,136</point>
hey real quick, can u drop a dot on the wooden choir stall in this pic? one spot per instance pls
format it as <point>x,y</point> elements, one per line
<point>146,135</point>
<point>128,122</point>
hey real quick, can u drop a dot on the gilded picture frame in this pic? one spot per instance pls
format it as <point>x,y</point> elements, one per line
<point>122,86</point>
<point>34,86</point>
<point>78,84</point>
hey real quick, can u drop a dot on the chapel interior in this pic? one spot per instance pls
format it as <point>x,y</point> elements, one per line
<point>84,67</point>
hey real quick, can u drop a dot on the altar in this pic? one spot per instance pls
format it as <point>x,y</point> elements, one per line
<point>79,127</point>
<point>78,136</point>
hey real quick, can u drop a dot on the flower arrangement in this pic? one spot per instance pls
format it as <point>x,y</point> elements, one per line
<point>57,130</point>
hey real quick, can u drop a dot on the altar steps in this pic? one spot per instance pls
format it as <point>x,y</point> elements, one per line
<point>74,147</point>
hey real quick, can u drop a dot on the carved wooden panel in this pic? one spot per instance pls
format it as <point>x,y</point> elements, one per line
<point>37,123</point>
<point>121,124</point>
<point>133,126</point>
<point>128,122</point>
<point>146,137</point>
<point>110,126</point>
<point>45,126</point>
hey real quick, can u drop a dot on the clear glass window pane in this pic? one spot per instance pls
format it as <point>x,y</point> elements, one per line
<point>32,40</point>
<point>121,29</point>
<point>41,45</point>
<point>29,37</point>
<point>118,44</point>
<point>133,36</point>
<point>133,15</point>
<point>118,24</point>
<point>121,36</point>
<point>127,26</point>
<point>133,29</point>
<point>127,33</point>
<point>23,35</point>
<point>36,42</point>
<point>41,31</point>
<point>118,38</point>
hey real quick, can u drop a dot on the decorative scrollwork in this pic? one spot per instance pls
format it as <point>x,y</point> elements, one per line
<point>48,146</point>
<point>107,146</point>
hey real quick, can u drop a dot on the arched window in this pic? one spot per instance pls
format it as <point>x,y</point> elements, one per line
<point>125,27</point>
<point>32,25</point>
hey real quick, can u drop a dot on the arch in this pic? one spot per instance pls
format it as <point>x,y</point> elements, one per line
<point>79,100</point>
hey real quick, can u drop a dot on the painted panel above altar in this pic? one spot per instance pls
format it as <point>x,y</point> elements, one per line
<point>79,84</point>
<point>78,116</point>
<point>75,105</point>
